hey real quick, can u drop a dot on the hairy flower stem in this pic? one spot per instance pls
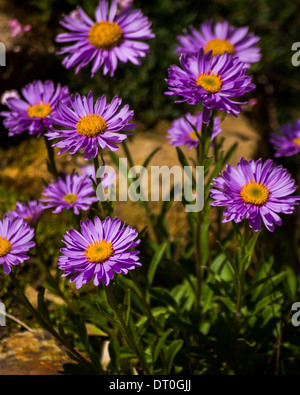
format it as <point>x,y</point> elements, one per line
<point>241,269</point>
<point>202,152</point>
<point>240,262</point>
<point>96,166</point>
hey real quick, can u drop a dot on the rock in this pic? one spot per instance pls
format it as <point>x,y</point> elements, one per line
<point>31,353</point>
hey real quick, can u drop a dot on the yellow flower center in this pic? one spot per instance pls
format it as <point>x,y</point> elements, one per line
<point>91,125</point>
<point>219,46</point>
<point>255,193</point>
<point>105,34</point>
<point>99,252</point>
<point>210,82</point>
<point>193,135</point>
<point>296,141</point>
<point>5,246</point>
<point>39,110</point>
<point>70,198</point>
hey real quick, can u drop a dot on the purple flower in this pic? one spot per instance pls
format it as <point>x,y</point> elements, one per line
<point>288,143</point>
<point>219,39</point>
<point>182,133</point>
<point>86,125</point>
<point>99,250</point>
<point>74,193</point>
<point>255,191</point>
<point>113,37</point>
<point>32,114</point>
<point>212,81</point>
<point>30,212</point>
<point>15,240</point>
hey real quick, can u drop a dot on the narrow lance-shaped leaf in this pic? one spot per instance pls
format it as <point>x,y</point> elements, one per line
<point>155,261</point>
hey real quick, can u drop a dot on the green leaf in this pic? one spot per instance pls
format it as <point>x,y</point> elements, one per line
<point>148,159</point>
<point>184,163</point>
<point>291,282</point>
<point>115,353</point>
<point>227,302</point>
<point>42,307</point>
<point>127,304</point>
<point>214,173</point>
<point>155,261</point>
<point>114,322</point>
<point>207,164</point>
<point>273,278</point>
<point>204,242</point>
<point>251,246</point>
<point>81,331</point>
<point>158,345</point>
<point>164,297</point>
<point>267,302</point>
<point>172,351</point>
<point>230,153</point>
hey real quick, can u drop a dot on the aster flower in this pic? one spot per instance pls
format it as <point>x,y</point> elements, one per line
<point>15,241</point>
<point>99,250</point>
<point>288,143</point>
<point>108,177</point>
<point>113,37</point>
<point>87,125</point>
<point>182,133</point>
<point>255,191</point>
<point>219,39</point>
<point>212,81</point>
<point>74,193</point>
<point>33,112</point>
<point>29,212</point>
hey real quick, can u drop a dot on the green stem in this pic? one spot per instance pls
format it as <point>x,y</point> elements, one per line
<point>198,264</point>
<point>202,152</point>
<point>113,303</point>
<point>51,158</point>
<point>96,165</point>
